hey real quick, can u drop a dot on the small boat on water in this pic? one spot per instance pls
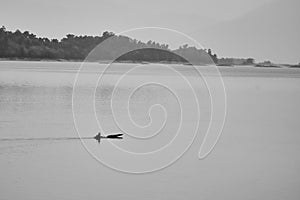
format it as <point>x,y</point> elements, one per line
<point>98,137</point>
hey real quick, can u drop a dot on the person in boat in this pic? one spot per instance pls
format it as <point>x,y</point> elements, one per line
<point>112,136</point>
<point>98,137</point>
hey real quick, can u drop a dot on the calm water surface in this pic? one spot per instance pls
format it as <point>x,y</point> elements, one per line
<point>256,158</point>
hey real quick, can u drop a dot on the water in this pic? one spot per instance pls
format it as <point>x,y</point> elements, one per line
<point>256,158</point>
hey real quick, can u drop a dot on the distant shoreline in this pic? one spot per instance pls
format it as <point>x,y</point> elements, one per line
<point>259,65</point>
<point>26,46</point>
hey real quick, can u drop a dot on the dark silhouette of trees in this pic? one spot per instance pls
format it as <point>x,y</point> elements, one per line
<point>213,56</point>
<point>235,61</point>
<point>249,61</point>
<point>26,45</point>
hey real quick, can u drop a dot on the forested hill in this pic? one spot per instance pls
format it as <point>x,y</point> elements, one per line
<point>26,45</point>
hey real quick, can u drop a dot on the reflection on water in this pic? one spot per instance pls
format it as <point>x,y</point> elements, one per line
<point>257,156</point>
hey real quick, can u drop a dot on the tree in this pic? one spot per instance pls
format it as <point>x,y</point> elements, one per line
<point>19,44</point>
<point>107,34</point>
<point>249,61</point>
<point>2,29</point>
<point>209,52</point>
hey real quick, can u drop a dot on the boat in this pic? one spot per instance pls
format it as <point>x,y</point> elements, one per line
<point>98,137</point>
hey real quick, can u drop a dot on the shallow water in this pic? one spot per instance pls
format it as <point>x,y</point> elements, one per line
<point>257,156</point>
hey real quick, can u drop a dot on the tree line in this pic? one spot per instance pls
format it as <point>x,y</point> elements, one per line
<point>26,45</point>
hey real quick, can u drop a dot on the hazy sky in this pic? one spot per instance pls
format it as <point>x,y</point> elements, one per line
<point>207,21</point>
